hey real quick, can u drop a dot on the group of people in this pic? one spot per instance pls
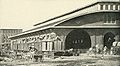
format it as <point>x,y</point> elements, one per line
<point>34,54</point>
<point>113,50</point>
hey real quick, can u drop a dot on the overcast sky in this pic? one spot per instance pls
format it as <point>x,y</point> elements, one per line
<point>25,13</point>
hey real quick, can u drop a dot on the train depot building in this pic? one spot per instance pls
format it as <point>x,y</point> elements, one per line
<point>95,24</point>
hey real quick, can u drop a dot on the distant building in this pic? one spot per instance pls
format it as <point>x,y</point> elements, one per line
<point>95,24</point>
<point>5,34</point>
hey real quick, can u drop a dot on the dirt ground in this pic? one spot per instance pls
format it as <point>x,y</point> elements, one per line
<point>82,60</point>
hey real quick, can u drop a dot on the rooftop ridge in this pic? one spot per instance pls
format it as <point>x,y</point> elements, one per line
<point>74,11</point>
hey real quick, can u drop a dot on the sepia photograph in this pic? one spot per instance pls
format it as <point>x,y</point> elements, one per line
<point>59,32</point>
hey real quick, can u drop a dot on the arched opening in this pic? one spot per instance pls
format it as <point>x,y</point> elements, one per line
<point>108,39</point>
<point>78,39</point>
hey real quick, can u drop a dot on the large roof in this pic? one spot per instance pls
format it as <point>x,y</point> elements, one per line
<point>92,4</point>
<point>50,23</point>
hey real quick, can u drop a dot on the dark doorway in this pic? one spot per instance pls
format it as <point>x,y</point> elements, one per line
<point>78,39</point>
<point>108,39</point>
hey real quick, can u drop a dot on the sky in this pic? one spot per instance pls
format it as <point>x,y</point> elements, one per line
<point>25,13</point>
